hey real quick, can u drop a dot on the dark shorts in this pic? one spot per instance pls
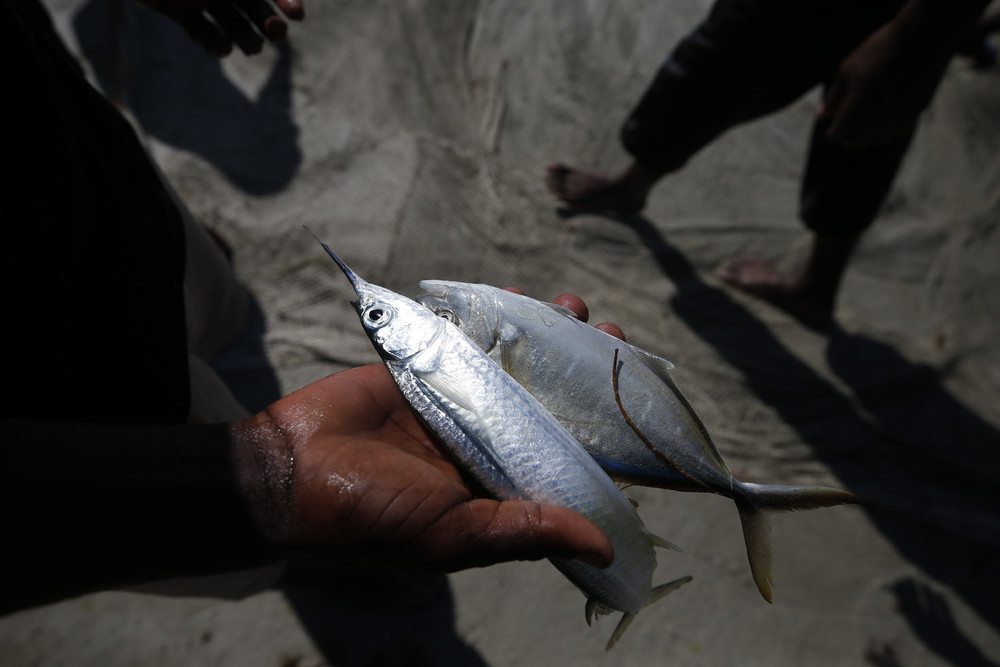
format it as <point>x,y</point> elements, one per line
<point>93,248</point>
<point>750,58</point>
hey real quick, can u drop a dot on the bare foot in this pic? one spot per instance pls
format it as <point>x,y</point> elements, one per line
<point>791,292</point>
<point>588,191</point>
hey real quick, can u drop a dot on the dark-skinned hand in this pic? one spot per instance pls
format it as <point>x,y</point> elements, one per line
<point>344,467</point>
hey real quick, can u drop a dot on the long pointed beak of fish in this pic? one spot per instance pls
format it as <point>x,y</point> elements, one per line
<point>356,282</point>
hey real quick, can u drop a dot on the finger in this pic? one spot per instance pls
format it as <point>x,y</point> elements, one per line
<point>515,290</point>
<point>483,532</point>
<point>574,303</point>
<point>205,33</point>
<point>262,15</point>
<point>235,24</point>
<point>612,329</point>
<point>293,9</point>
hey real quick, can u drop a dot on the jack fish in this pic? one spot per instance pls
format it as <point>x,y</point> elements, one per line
<point>620,403</point>
<point>509,443</point>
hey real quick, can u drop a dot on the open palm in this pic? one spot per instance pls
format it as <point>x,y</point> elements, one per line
<point>352,472</point>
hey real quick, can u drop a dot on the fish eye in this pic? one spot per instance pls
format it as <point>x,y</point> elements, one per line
<point>377,316</point>
<point>448,315</point>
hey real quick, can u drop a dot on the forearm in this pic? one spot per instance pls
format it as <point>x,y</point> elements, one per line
<point>91,507</point>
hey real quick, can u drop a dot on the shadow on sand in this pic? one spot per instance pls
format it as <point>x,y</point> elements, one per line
<point>922,462</point>
<point>377,617</point>
<point>182,97</point>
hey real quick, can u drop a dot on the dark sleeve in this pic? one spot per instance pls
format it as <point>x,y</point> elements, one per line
<point>90,507</point>
<point>93,248</point>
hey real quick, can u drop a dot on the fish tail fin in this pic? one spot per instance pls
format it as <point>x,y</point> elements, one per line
<point>756,502</point>
<point>757,535</point>
<point>791,498</point>
<point>654,595</point>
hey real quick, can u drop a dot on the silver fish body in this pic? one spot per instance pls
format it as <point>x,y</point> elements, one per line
<point>509,442</point>
<point>620,403</point>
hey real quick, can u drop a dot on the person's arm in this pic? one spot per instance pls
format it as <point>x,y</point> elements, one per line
<point>882,87</point>
<point>90,507</point>
<point>342,468</point>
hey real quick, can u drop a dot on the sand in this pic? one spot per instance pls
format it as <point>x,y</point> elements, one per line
<point>412,137</point>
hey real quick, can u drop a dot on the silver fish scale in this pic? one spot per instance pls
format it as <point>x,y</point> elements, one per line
<point>505,439</point>
<point>542,461</point>
<point>515,467</point>
<point>533,454</point>
<point>620,402</point>
<point>428,407</point>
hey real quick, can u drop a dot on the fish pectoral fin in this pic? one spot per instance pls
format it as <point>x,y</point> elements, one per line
<point>443,385</point>
<point>507,362</point>
<point>623,624</point>
<point>658,541</point>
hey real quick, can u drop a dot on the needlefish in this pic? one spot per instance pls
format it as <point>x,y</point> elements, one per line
<point>509,443</point>
<point>620,403</point>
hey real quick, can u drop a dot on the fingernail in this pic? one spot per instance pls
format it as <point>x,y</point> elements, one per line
<point>293,9</point>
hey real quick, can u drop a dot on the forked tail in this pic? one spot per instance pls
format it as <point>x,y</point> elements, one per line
<point>756,502</point>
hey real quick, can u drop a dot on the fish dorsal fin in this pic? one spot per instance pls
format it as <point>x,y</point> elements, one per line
<point>449,389</point>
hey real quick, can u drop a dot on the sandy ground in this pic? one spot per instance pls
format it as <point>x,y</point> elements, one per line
<point>412,137</point>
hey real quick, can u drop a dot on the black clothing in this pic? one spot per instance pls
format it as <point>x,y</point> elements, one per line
<point>750,58</point>
<point>93,248</point>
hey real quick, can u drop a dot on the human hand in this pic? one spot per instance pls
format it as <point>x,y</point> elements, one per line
<point>216,24</point>
<point>880,90</point>
<point>344,468</point>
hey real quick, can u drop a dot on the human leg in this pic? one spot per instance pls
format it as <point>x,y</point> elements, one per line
<point>810,293</point>
<point>745,60</point>
<point>842,192</point>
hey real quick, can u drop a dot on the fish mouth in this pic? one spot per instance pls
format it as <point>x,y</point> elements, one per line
<point>356,282</point>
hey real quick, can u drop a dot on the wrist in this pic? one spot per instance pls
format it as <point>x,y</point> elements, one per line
<point>265,471</point>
